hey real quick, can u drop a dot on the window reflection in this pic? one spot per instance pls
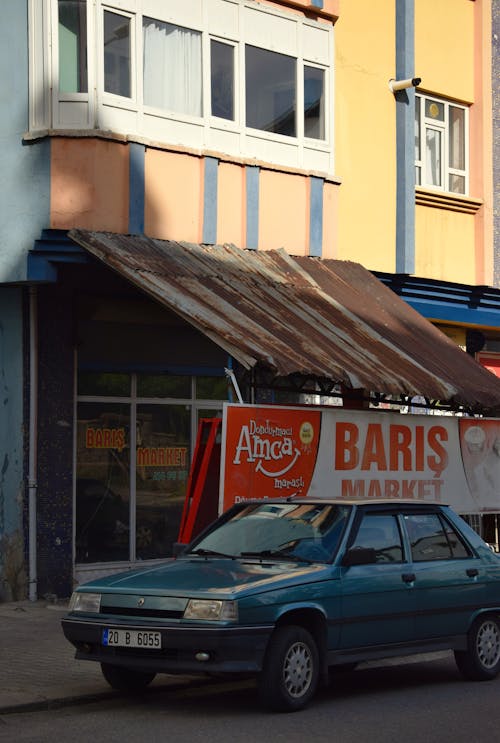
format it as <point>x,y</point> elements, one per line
<point>72,46</point>
<point>162,466</point>
<point>222,79</point>
<point>117,54</point>
<point>102,482</point>
<point>270,91</point>
<point>314,103</point>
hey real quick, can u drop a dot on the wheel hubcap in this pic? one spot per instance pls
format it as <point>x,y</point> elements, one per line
<point>488,644</point>
<point>297,670</point>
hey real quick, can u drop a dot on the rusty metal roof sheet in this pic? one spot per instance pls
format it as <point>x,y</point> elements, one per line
<point>326,318</point>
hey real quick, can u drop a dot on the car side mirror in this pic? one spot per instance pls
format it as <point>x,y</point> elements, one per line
<point>178,548</point>
<point>359,556</point>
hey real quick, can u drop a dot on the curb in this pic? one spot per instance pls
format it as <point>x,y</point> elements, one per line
<point>44,705</point>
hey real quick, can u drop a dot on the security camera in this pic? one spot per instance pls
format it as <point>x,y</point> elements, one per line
<point>410,82</point>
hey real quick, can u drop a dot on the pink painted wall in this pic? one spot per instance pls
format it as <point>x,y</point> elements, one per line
<point>174,196</point>
<point>284,212</point>
<point>330,220</point>
<point>89,184</point>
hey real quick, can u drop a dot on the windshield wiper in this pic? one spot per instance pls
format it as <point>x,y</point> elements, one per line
<point>277,553</point>
<point>211,553</point>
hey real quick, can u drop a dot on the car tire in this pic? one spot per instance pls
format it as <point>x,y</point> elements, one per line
<point>290,673</point>
<point>481,660</point>
<point>126,679</point>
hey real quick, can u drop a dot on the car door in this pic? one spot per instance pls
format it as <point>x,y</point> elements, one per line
<point>378,602</point>
<point>449,578</point>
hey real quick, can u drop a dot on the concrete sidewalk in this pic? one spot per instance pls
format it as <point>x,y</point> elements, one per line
<point>37,665</point>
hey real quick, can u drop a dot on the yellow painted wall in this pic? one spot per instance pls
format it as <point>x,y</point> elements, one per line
<point>445,61</point>
<point>444,245</point>
<point>451,245</point>
<point>89,184</point>
<point>284,212</point>
<point>365,133</point>
<point>174,193</point>
<point>456,333</point>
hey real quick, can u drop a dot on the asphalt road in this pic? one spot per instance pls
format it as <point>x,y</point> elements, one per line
<point>416,702</point>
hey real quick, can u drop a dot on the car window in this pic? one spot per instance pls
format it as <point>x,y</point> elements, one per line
<point>381,533</point>
<point>308,531</point>
<point>433,539</point>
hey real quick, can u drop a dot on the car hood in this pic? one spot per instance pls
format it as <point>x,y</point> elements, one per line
<point>210,577</point>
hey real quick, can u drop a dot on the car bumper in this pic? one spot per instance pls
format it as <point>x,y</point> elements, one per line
<point>229,649</point>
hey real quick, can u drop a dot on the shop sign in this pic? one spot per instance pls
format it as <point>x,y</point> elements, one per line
<point>332,453</point>
<point>162,456</point>
<point>105,438</point>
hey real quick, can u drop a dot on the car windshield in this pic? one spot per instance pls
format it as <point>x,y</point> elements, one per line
<point>296,531</point>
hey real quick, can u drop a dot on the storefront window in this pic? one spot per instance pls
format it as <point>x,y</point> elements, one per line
<point>103,384</point>
<point>103,482</point>
<point>211,388</point>
<point>209,413</point>
<point>163,385</point>
<point>162,466</point>
<point>133,459</point>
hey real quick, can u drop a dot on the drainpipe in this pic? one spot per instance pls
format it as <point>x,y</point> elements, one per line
<point>32,445</point>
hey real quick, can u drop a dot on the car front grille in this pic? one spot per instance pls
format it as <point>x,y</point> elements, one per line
<point>125,611</point>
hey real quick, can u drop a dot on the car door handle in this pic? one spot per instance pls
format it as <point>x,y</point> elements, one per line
<point>472,572</point>
<point>408,577</point>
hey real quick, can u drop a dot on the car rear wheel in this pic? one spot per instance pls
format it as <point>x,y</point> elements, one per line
<point>291,669</point>
<point>125,679</point>
<point>481,660</point>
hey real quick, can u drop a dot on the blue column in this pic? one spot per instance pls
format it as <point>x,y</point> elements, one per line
<point>405,138</point>
<point>316,217</point>
<point>252,201</point>
<point>210,201</point>
<point>136,189</point>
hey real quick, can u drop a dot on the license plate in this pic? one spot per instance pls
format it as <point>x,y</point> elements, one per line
<point>129,638</point>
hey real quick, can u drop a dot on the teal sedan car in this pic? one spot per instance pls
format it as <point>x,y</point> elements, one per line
<point>287,589</point>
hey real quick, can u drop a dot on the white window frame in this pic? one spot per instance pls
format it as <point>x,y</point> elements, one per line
<point>113,99</point>
<point>218,20</point>
<point>443,127</point>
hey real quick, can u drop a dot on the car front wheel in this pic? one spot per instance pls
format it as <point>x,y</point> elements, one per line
<point>125,679</point>
<point>481,660</point>
<point>291,669</point>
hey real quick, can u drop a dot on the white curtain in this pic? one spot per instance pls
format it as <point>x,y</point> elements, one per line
<point>172,68</point>
<point>433,154</point>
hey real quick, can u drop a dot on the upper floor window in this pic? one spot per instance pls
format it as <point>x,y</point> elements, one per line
<point>117,54</point>
<point>441,153</point>
<point>73,46</point>
<point>172,67</point>
<point>234,76</point>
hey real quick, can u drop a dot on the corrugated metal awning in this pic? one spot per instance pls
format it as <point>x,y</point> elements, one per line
<point>327,319</point>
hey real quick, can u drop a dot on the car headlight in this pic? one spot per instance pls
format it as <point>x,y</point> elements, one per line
<point>211,609</point>
<point>88,602</point>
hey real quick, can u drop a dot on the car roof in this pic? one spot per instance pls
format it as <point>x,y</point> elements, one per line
<point>348,501</point>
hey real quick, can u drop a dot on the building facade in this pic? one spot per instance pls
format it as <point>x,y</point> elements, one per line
<point>348,130</point>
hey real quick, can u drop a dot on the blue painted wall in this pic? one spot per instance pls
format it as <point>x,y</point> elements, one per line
<point>24,210</point>
<point>25,168</point>
<point>12,574</point>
